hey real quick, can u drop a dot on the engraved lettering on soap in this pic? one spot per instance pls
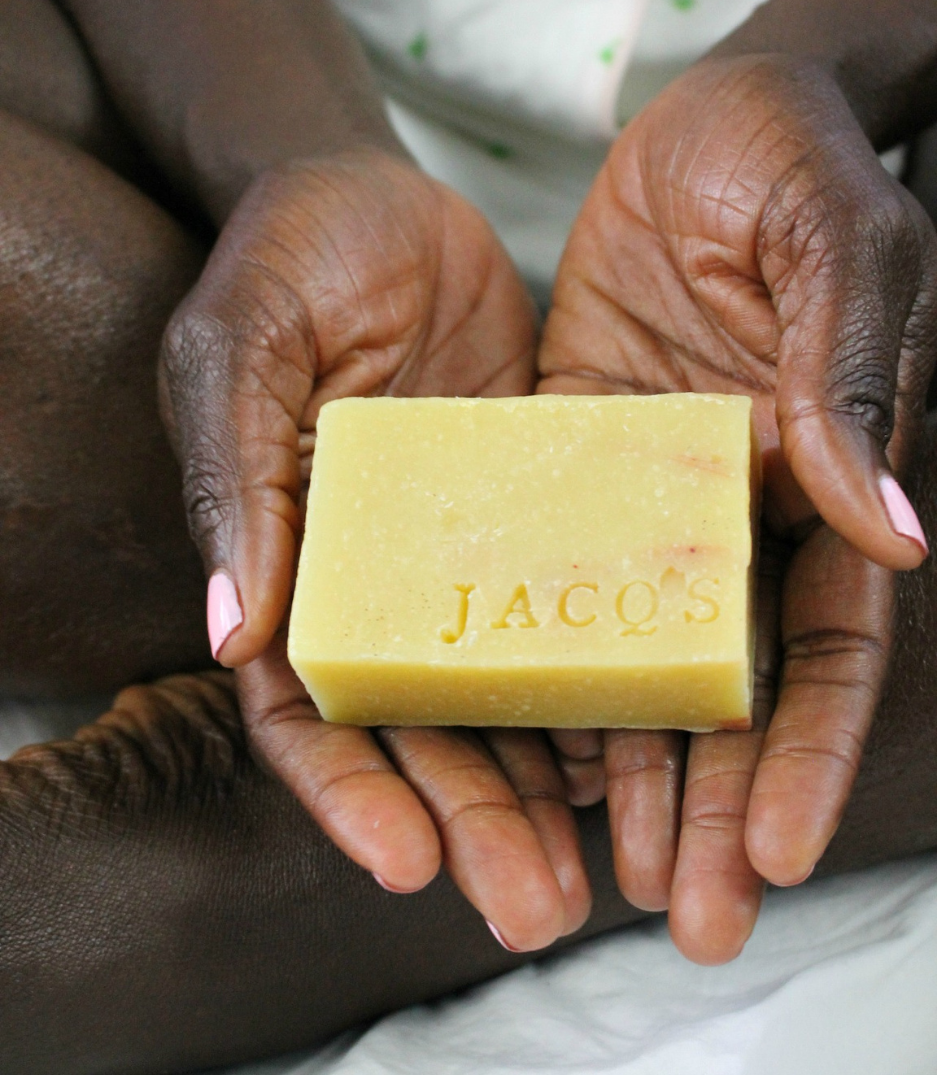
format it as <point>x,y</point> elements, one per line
<point>461,616</point>
<point>636,605</point>
<point>672,584</point>
<point>519,605</point>
<point>710,607</point>
<point>562,605</point>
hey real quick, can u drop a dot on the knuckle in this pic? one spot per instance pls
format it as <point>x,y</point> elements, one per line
<point>275,717</point>
<point>859,389</point>
<point>718,787</point>
<point>862,390</point>
<point>842,749</point>
<point>323,767</point>
<point>828,206</point>
<point>765,685</point>
<point>479,811</point>
<point>194,345</point>
<point>208,507</point>
<point>624,770</point>
<point>656,754</point>
<point>714,818</point>
<point>258,334</point>
<point>849,669</point>
<point>327,793</point>
<point>547,793</point>
<point>533,780</point>
<point>846,654</point>
<point>893,230</point>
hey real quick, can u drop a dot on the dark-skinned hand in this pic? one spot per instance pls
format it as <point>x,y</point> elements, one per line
<point>359,275</point>
<point>743,237</point>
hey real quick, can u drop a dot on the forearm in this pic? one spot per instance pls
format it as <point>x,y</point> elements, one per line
<point>222,90</point>
<point>881,53</point>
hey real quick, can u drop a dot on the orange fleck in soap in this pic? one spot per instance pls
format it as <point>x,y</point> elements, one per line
<point>551,561</point>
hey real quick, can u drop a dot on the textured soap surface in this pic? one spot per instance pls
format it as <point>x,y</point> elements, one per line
<point>568,561</point>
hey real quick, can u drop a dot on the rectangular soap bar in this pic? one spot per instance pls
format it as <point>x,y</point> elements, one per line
<point>564,561</point>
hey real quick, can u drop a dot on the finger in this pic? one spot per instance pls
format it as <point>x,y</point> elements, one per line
<point>234,407</point>
<point>716,892</point>
<point>528,764</point>
<point>340,775</point>
<point>579,756</point>
<point>836,627</point>
<point>584,780</point>
<point>583,744</point>
<point>490,847</point>
<point>857,305</point>
<point>644,778</point>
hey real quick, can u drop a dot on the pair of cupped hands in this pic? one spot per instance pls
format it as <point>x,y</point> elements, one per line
<point>742,236</point>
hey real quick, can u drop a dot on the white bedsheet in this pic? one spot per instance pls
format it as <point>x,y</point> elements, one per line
<point>840,978</point>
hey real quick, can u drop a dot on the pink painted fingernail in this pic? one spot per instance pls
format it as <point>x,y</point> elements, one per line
<point>224,610</point>
<point>903,517</point>
<point>504,944</point>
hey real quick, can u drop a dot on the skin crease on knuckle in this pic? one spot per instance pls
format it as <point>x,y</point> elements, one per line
<point>166,905</point>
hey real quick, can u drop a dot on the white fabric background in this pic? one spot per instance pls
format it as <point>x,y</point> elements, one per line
<point>554,65</point>
<point>840,978</point>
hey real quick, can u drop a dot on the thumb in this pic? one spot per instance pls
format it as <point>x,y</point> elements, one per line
<point>233,409</point>
<point>857,305</point>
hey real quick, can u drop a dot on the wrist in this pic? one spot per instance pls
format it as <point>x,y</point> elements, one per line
<point>219,94</point>
<point>283,179</point>
<point>882,55</point>
<point>229,151</point>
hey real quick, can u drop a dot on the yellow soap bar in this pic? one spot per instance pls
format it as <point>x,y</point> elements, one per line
<point>552,561</point>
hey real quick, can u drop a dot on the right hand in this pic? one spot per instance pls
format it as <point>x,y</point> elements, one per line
<point>358,275</point>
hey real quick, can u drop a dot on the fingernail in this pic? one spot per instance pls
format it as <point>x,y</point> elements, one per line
<point>903,517</point>
<point>224,610</point>
<point>504,944</point>
<point>390,888</point>
<point>799,881</point>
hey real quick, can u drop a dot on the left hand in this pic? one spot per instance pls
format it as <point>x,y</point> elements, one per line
<point>743,237</point>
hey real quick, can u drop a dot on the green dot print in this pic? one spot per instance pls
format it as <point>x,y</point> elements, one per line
<point>418,46</point>
<point>607,55</point>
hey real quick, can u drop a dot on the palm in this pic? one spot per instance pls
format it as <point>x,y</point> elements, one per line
<point>404,287</point>
<point>658,290</point>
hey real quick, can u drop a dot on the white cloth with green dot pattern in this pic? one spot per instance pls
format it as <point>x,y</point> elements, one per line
<point>514,102</point>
